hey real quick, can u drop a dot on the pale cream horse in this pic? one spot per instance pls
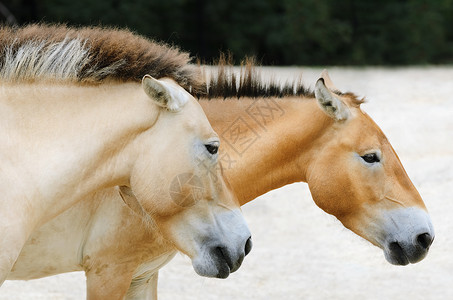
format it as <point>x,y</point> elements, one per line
<point>73,124</point>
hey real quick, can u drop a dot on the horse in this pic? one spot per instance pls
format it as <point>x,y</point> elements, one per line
<point>76,119</point>
<point>270,136</point>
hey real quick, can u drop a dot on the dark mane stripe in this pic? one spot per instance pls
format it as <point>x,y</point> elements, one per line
<point>226,83</point>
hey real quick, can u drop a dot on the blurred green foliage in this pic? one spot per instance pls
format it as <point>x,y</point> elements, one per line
<point>278,32</point>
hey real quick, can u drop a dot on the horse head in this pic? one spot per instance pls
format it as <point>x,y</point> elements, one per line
<point>189,200</point>
<point>357,176</point>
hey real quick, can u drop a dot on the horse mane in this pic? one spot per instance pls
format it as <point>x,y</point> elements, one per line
<point>89,55</point>
<point>92,55</point>
<point>224,82</point>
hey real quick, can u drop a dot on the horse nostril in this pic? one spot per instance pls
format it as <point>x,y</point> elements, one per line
<point>248,245</point>
<point>425,240</point>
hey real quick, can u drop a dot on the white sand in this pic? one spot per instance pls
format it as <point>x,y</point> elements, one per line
<point>302,253</point>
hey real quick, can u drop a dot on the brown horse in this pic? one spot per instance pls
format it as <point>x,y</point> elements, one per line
<point>328,141</point>
<point>270,137</point>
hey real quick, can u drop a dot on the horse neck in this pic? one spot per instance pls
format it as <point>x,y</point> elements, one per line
<point>69,140</point>
<point>265,143</point>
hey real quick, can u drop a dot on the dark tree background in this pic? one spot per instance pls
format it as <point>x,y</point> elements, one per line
<point>278,32</point>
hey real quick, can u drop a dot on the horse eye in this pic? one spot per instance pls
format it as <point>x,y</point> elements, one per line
<point>212,148</point>
<point>371,158</point>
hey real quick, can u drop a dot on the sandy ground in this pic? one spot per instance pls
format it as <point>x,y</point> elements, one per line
<point>302,253</point>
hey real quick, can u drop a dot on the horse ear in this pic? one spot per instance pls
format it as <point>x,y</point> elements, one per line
<point>327,81</point>
<point>163,94</point>
<point>329,103</point>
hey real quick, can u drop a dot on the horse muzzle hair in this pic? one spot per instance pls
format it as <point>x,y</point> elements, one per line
<point>408,235</point>
<point>224,249</point>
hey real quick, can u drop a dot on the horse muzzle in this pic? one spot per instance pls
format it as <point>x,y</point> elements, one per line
<point>219,261</point>
<point>409,235</point>
<point>402,254</point>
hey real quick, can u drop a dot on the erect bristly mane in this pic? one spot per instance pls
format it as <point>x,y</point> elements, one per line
<point>89,55</point>
<point>223,81</point>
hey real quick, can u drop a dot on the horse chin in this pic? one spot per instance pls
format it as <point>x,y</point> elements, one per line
<point>219,262</point>
<point>218,268</point>
<point>219,254</point>
<point>399,255</point>
<point>396,256</point>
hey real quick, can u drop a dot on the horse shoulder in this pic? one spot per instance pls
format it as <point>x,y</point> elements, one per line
<point>54,248</point>
<point>120,242</point>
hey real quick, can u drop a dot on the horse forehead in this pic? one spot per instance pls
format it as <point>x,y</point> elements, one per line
<point>365,129</point>
<point>195,120</point>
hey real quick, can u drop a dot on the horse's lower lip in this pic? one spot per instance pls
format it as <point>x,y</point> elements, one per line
<point>224,262</point>
<point>397,254</point>
<point>235,267</point>
<point>224,270</point>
